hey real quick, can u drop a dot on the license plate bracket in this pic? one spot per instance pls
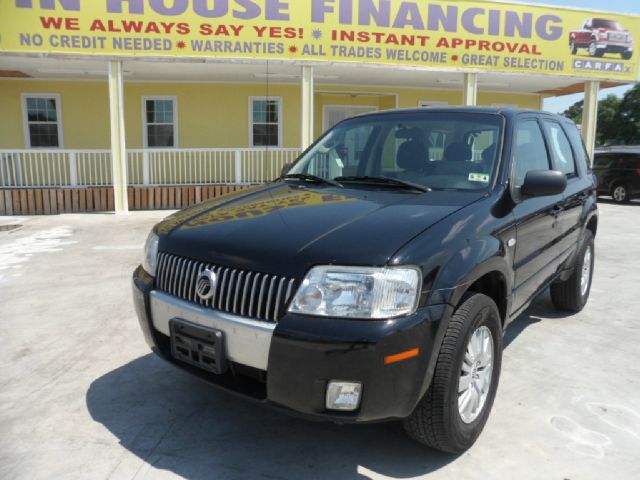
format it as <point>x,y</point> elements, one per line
<point>202,347</point>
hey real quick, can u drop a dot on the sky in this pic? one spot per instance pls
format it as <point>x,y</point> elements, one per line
<point>560,104</point>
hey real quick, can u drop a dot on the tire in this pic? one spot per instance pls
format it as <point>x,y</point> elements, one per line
<point>572,294</point>
<point>620,193</point>
<point>594,51</point>
<point>437,420</point>
<point>626,55</point>
<point>573,48</point>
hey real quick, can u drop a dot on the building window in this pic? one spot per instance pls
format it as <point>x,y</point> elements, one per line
<point>265,129</point>
<point>160,122</point>
<point>334,114</point>
<point>43,121</point>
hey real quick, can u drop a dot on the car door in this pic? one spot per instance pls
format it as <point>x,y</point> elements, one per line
<point>537,226</point>
<point>631,172</point>
<point>603,164</point>
<point>579,185</point>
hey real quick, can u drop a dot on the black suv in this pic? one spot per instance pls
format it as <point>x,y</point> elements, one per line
<point>374,280</point>
<point>618,174</point>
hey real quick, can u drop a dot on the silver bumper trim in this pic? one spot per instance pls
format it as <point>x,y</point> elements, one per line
<point>247,341</point>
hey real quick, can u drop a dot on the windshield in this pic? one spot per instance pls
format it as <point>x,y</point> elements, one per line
<point>608,24</point>
<point>438,150</point>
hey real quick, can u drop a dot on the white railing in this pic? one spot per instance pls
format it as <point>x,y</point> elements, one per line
<point>91,168</point>
<point>55,168</point>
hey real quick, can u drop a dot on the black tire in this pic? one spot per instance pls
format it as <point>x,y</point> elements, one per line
<point>568,295</point>
<point>436,420</point>
<point>620,193</point>
<point>626,55</point>
<point>594,51</point>
<point>573,48</point>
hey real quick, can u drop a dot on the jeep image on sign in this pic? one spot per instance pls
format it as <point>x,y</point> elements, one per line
<point>374,279</point>
<point>600,36</point>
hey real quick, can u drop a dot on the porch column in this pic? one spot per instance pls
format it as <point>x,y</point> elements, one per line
<point>307,106</point>
<point>118,145</point>
<point>470,90</point>
<point>590,115</point>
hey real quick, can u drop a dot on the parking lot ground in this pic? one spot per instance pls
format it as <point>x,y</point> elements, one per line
<point>82,397</point>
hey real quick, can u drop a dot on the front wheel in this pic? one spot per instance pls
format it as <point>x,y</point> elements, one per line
<point>572,294</point>
<point>573,47</point>
<point>627,55</point>
<point>594,51</point>
<point>457,404</point>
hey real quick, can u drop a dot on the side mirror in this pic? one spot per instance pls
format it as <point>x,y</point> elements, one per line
<point>285,168</point>
<point>541,183</point>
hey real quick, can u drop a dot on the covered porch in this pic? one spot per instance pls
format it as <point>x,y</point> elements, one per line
<point>133,128</point>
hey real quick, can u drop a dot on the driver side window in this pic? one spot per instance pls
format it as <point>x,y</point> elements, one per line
<point>530,151</point>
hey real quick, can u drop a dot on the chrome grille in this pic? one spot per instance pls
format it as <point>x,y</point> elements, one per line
<point>241,292</point>
<point>617,37</point>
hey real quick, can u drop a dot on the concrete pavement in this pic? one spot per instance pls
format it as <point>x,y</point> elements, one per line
<point>82,397</point>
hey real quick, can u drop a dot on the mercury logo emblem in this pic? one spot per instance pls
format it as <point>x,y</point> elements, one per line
<point>206,284</point>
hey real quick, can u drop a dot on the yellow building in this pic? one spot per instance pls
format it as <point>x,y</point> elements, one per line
<point>86,103</point>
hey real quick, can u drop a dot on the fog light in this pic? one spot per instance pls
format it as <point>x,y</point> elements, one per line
<point>343,395</point>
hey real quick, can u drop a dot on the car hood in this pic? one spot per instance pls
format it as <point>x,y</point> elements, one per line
<point>285,228</point>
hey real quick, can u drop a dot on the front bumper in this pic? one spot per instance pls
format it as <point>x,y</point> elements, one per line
<point>614,47</point>
<point>289,364</point>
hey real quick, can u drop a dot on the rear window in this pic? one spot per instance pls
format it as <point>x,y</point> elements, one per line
<point>560,148</point>
<point>582,157</point>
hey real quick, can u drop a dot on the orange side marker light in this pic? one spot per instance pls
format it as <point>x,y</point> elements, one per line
<point>399,357</point>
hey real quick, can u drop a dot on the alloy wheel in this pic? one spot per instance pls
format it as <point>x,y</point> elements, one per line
<point>475,375</point>
<point>585,277</point>
<point>619,193</point>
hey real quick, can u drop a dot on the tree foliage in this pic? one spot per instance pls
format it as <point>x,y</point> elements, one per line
<point>618,118</point>
<point>628,118</point>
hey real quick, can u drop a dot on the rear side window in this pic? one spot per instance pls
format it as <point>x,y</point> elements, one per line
<point>630,161</point>
<point>604,161</point>
<point>561,148</point>
<point>582,157</point>
<point>530,152</point>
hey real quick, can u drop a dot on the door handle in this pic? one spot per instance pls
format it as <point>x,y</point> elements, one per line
<point>556,210</point>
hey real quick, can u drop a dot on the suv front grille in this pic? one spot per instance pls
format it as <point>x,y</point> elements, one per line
<point>249,294</point>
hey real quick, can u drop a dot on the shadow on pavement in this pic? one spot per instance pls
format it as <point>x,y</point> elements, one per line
<point>177,423</point>
<point>541,309</point>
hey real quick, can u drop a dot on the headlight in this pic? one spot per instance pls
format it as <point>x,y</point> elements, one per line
<point>358,292</point>
<point>150,260</point>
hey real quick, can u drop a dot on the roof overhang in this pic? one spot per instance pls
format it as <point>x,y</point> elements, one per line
<point>284,72</point>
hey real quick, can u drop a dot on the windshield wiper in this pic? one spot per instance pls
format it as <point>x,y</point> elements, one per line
<point>311,178</point>
<point>382,179</point>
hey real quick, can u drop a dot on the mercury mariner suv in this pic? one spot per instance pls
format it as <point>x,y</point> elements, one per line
<point>375,278</point>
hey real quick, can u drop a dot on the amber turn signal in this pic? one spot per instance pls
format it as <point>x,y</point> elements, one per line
<point>398,357</point>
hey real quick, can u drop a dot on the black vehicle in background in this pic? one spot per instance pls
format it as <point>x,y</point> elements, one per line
<point>618,173</point>
<point>375,278</point>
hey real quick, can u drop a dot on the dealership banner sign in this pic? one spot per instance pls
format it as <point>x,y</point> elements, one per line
<point>464,35</point>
